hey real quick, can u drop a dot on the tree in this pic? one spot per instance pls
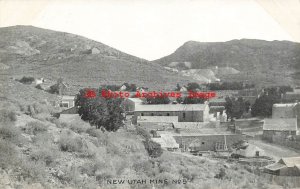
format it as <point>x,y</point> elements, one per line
<point>193,86</point>
<point>264,103</point>
<point>154,149</point>
<point>189,100</point>
<point>157,100</point>
<point>101,112</point>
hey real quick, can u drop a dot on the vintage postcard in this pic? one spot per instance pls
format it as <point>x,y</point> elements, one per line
<point>158,94</point>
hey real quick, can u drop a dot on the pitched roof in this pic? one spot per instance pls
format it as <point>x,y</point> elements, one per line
<point>170,107</point>
<point>280,124</point>
<point>290,161</point>
<point>284,105</point>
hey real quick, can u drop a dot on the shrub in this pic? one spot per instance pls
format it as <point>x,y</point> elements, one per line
<point>7,116</point>
<point>45,155</point>
<point>8,154</point>
<point>35,127</point>
<point>70,143</point>
<point>9,132</point>
<point>27,80</point>
<point>39,87</point>
<point>79,127</point>
<point>221,174</point>
<point>154,149</point>
<point>144,133</point>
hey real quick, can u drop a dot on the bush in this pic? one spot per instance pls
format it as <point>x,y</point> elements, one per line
<point>27,80</point>
<point>35,127</point>
<point>39,87</point>
<point>154,149</point>
<point>47,155</point>
<point>8,154</point>
<point>9,132</point>
<point>7,116</point>
<point>221,174</point>
<point>144,133</point>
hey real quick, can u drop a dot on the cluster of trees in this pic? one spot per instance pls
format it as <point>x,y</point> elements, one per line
<point>236,107</point>
<point>264,103</point>
<point>130,87</point>
<point>229,86</point>
<point>101,112</point>
<point>158,100</point>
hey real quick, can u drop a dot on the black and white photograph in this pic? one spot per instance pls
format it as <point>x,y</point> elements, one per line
<point>149,94</point>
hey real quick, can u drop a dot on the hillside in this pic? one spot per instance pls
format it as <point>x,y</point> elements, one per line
<point>31,51</point>
<point>263,62</point>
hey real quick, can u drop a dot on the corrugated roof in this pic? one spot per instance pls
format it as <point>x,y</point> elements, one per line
<point>170,107</point>
<point>280,124</point>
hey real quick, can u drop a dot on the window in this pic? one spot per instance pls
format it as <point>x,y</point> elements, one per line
<point>152,114</point>
<point>64,104</point>
<point>183,115</point>
<point>142,114</point>
<point>168,114</point>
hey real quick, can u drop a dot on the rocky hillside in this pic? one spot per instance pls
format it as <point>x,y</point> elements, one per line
<point>31,51</point>
<point>259,61</point>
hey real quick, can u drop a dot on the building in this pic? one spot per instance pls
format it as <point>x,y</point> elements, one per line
<point>250,151</point>
<point>288,166</point>
<point>199,142</point>
<point>185,112</point>
<point>279,128</point>
<point>291,96</point>
<point>67,102</point>
<point>284,110</point>
<point>156,122</point>
<point>129,104</point>
<point>167,142</point>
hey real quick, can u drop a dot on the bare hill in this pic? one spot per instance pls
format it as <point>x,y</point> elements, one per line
<point>264,62</point>
<point>31,51</point>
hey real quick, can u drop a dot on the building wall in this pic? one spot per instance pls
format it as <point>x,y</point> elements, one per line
<point>270,135</point>
<point>183,116</point>
<point>283,112</point>
<point>207,142</point>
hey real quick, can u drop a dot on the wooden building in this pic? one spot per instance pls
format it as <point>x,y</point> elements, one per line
<point>185,112</point>
<point>288,166</point>
<point>279,128</point>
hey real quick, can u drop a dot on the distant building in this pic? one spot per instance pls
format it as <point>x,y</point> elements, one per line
<point>279,128</point>
<point>67,102</point>
<point>284,110</point>
<point>185,112</point>
<point>167,142</point>
<point>129,104</point>
<point>291,96</point>
<point>250,151</point>
<point>288,166</point>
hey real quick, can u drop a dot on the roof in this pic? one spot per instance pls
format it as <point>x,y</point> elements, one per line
<point>284,105</point>
<point>166,141</point>
<point>170,107</point>
<point>275,166</point>
<point>280,124</point>
<point>135,100</point>
<point>65,97</point>
<point>290,161</point>
<point>161,119</point>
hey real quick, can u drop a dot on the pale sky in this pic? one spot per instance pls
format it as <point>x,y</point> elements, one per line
<point>152,29</point>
